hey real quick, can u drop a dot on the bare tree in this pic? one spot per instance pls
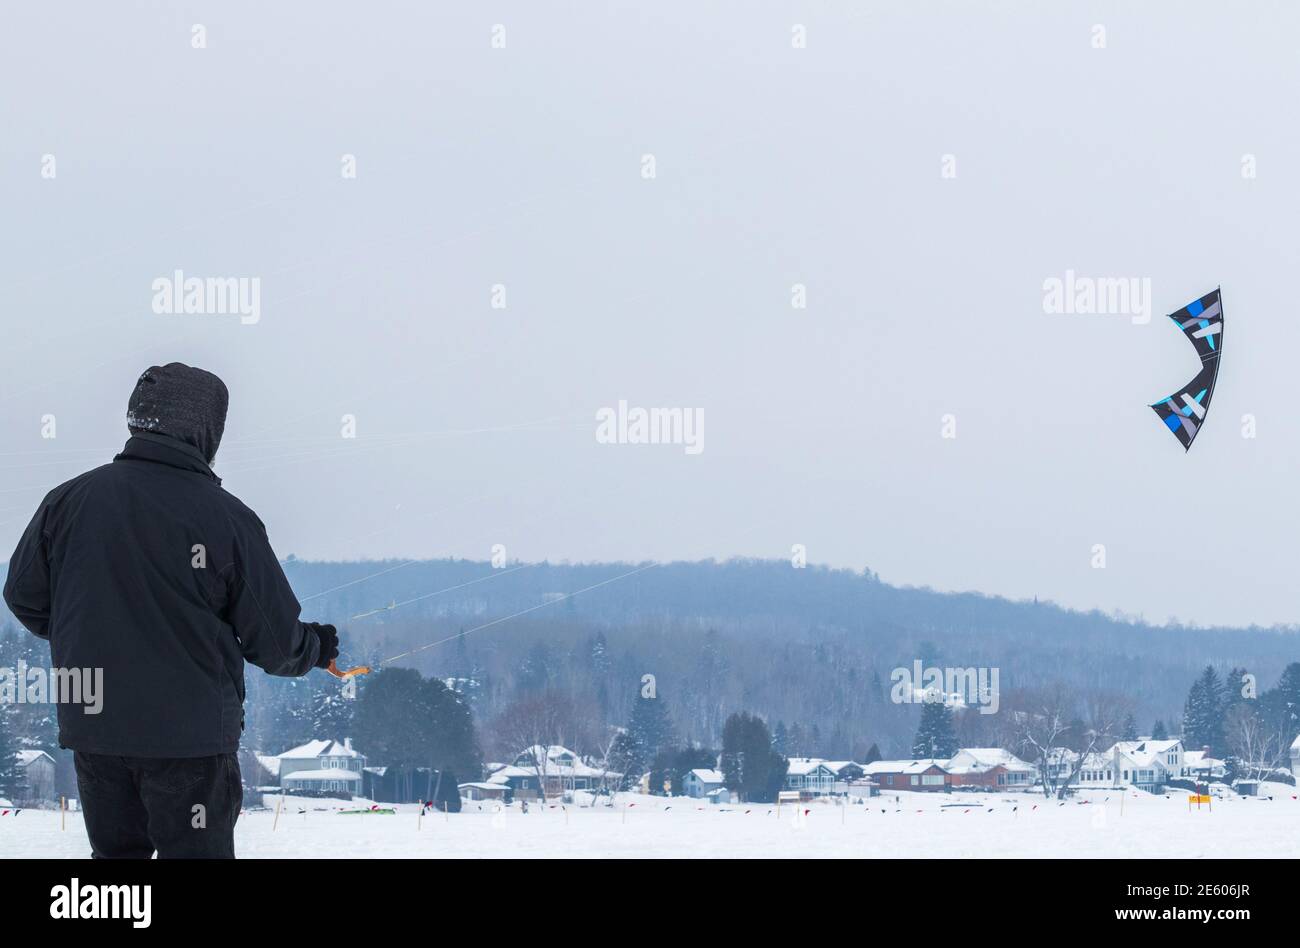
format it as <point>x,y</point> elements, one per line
<point>615,763</point>
<point>529,730</point>
<point>1049,730</point>
<point>1259,747</point>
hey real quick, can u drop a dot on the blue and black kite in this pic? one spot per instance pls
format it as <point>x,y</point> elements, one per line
<point>1184,412</point>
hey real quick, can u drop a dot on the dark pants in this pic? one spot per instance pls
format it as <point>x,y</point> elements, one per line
<point>184,808</point>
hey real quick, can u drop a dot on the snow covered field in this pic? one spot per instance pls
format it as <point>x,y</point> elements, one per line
<point>938,826</point>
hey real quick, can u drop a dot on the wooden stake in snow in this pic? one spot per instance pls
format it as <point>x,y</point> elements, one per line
<point>276,821</point>
<point>63,813</point>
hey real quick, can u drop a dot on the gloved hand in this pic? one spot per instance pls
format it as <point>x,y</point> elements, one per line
<point>329,643</point>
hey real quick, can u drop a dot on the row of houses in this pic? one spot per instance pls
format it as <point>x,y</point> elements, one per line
<point>331,767</point>
<point>1145,764</point>
<point>336,769</point>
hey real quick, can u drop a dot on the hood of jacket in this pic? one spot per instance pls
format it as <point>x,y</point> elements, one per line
<point>180,402</point>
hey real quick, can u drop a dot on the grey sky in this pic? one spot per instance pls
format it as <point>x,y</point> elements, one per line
<point>775,166</point>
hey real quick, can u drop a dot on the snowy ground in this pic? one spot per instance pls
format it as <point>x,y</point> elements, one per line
<point>919,825</point>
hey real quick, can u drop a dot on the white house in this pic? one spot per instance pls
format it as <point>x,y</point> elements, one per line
<point>1097,772</point>
<point>324,766</point>
<point>563,770</point>
<point>810,775</point>
<point>1148,764</point>
<point>1201,766</point>
<point>1059,764</point>
<point>1295,758</point>
<point>701,782</point>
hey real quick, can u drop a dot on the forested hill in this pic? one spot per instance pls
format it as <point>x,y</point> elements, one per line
<point>763,599</point>
<point>812,647</point>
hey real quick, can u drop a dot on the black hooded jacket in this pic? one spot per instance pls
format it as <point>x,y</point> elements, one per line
<point>145,568</point>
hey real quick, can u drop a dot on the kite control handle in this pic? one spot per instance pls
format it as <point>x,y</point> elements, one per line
<point>333,669</point>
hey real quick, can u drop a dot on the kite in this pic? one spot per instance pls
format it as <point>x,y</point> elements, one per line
<point>1202,323</point>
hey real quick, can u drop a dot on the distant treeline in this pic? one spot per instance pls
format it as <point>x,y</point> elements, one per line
<point>810,649</point>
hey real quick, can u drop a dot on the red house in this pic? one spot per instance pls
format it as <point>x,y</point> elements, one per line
<point>923,775</point>
<point>990,767</point>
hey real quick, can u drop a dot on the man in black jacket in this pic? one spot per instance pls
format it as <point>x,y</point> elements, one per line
<point>147,570</point>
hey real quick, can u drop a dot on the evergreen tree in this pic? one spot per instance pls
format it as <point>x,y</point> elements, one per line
<point>1279,708</point>
<point>1160,732</point>
<point>1282,702</point>
<point>462,665</point>
<point>1234,686</point>
<point>795,741</point>
<point>873,754</point>
<point>10,776</point>
<point>1203,713</point>
<point>598,652</point>
<point>649,729</point>
<point>536,672</point>
<point>409,722</point>
<point>780,740</point>
<point>1129,732</point>
<point>331,712</point>
<point>661,771</point>
<point>750,767</point>
<point>446,796</point>
<point>935,736</point>
<point>624,759</point>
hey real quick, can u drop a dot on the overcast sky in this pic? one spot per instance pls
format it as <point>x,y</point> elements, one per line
<point>524,166</point>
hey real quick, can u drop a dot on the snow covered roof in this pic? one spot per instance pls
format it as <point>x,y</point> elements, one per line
<point>1200,759</point>
<point>1145,752</point>
<point>479,786</point>
<point>537,751</point>
<point>902,766</point>
<point>272,764</point>
<point>800,766</point>
<point>321,749</point>
<point>1295,746</point>
<point>839,765</point>
<point>704,775</point>
<point>502,774</point>
<point>978,759</point>
<point>322,775</point>
<point>560,762</point>
<point>27,756</point>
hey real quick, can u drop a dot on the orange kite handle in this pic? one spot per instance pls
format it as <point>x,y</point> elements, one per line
<point>350,673</point>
